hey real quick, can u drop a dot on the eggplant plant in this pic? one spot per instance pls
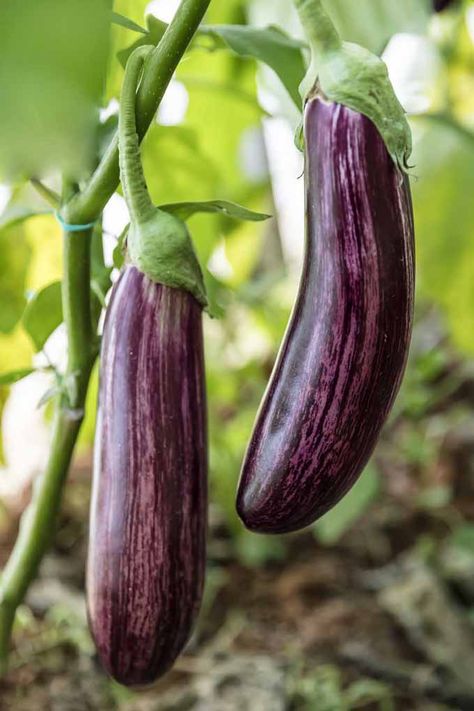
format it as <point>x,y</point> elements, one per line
<point>338,371</point>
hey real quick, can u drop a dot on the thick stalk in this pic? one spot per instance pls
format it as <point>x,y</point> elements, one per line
<point>37,524</point>
<point>88,204</point>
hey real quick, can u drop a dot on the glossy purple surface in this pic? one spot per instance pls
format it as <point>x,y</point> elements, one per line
<point>343,357</point>
<point>146,557</point>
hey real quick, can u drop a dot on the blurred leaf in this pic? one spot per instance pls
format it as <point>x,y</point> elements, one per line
<point>15,254</point>
<point>371,23</point>
<point>126,22</point>
<point>269,45</point>
<point>185,210</point>
<point>15,214</point>
<point>48,94</point>
<point>463,537</point>
<point>435,497</point>
<point>444,219</point>
<point>335,523</point>
<point>14,376</point>
<point>43,314</point>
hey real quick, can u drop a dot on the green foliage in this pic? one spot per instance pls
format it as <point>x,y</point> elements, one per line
<point>15,254</point>
<point>49,93</point>
<point>269,45</point>
<point>185,210</point>
<point>444,212</point>
<point>371,23</point>
<point>334,524</point>
<point>43,314</point>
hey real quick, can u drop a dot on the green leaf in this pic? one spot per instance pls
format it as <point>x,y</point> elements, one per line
<point>269,45</point>
<point>153,34</point>
<point>16,214</point>
<point>14,376</point>
<point>126,22</point>
<point>185,210</point>
<point>372,23</point>
<point>335,523</point>
<point>444,219</point>
<point>49,94</point>
<point>43,314</point>
<point>15,255</point>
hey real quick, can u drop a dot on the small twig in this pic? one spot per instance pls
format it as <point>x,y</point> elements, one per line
<point>49,195</point>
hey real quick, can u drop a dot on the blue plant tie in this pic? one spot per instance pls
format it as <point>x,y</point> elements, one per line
<point>72,228</point>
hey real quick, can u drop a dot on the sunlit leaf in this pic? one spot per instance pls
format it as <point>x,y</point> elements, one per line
<point>43,314</point>
<point>444,218</point>
<point>269,45</point>
<point>48,92</point>
<point>14,376</point>
<point>372,22</point>
<point>15,254</point>
<point>126,22</point>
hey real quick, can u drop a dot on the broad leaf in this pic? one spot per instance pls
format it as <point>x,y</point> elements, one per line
<point>269,45</point>
<point>371,23</point>
<point>43,314</point>
<point>185,210</point>
<point>444,220</point>
<point>48,93</point>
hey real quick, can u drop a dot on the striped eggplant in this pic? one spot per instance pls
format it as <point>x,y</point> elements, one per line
<point>148,519</point>
<point>146,558</point>
<point>343,357</point>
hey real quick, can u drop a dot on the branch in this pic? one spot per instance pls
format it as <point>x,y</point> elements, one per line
<point>87,205</point>
<point>37,524</point>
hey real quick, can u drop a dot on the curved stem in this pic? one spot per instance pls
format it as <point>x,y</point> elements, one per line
<point>318,26</point>
<point>131,169</point>
<point>87,205</point>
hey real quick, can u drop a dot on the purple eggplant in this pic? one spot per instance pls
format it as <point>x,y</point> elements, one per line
<point>344,354</point>
<point>146,558</point>
<point>440,5</point>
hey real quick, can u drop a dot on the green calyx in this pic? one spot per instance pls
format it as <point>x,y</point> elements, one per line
<point>158,243</point>
<point>160,246</point>
<point>349,74</point>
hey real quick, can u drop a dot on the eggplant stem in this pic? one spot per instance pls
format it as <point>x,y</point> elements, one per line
<point>131,169</point>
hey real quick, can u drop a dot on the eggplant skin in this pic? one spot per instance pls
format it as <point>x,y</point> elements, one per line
<point>146,559</point>
<point>344,353</point>
<point>440,5</point>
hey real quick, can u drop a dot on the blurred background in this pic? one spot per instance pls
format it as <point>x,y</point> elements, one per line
<point>373,607</point>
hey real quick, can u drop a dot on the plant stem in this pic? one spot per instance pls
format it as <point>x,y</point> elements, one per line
<point>37,524</point>
<point>49,195</point>
<point>134,186</point>
<point>318,26</point>
<point>88,204</point>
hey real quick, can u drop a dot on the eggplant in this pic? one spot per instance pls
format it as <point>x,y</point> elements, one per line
<point>146,558</point>
<point>344,353</point>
